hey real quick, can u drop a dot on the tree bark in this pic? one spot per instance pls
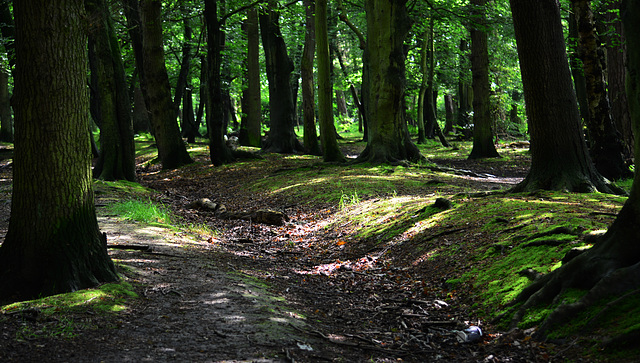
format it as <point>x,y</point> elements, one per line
<point>616,53</point>
<point>282,137</point>
<point>449,113</point>
<point>605,145</point>
<point>310,139</point>
<point>185,64</point>
<point>559,157</point>
<point>483,146</point>
<point>251,123</point>
<point>117,150</point>
<point>53,244</point>
<point>219,152</point>
<point>171,149</point>
<point>330,150</point>
<point>6,121</point>
<point>388,139</point>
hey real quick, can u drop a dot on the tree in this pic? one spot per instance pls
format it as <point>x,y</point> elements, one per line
<point>330,150</point>
<point>388,139</point>
<point>251,124</point>
<point>310,139</point>
<point>559,157</point>
<point>219,152</point>
<point>483,146</point>
<point>113,113</point>
<point>612,266</point>
<point>53,244</point>
<point>605,144</point>
<point>171,149</point>
<point>282,137</point>
<point>616,50</point>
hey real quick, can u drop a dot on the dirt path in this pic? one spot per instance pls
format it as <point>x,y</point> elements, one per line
<point>251,297</point>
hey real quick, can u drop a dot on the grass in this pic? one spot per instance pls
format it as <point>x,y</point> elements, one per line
<point>144,211</point>
<point>60,316</point>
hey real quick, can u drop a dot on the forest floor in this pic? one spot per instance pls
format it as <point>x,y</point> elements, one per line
<point>316,288</point>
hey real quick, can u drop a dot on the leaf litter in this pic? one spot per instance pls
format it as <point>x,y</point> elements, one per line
<point>308,291</point>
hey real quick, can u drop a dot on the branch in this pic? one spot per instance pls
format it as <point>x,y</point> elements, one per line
<point>353,28</point>
<point>240,9</point>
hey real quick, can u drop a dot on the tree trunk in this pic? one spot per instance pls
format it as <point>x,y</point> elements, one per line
<point>611,267</point>
<point>310,140</point>
<point>616,52</point>
<point>605,145</point>
<point>282,137</point>
<point>53,244</point>
<point>141,121</point>
<point>559,157</point>
<point>117,149</point>
<point>422,135</point>
<point>449,113</point>
<point>387,28</point>
<point>251,124</point>
<point>483,146</point>
<point>171,149</point>
<point>189,125</point>
<point>6,121</point>
<point>185,64</point>
<point>465,94</point>
<point>330,150</point>
<point>219,152</point>
<point>577,71</point>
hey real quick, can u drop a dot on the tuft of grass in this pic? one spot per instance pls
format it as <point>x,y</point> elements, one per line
<point>141,211</point>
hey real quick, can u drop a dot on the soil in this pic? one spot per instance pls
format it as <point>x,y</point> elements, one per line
<point>248,294</point>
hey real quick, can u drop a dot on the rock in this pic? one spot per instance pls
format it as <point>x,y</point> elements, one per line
<point>204,204</point>
<point>267,216</point>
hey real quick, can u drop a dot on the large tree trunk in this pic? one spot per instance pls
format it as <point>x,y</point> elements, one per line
<point>310,139</point>
<point>171,149</point>
<point>605,144</point>
<point>53,244</point>
<point>251,124</point>
<point>612,267</point>
<point>330,150</point>
<point>387,28</point>
<point>219,152</point>
<point>559,157</point>
<point>483,146</point>
<point>282,136</point>
<point>616,52</point>
<point>117,149</point>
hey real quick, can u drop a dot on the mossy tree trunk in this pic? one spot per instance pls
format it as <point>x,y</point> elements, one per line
<point>117,151</point>
<point>53,244</point>
<point>388,138</point>
<point>559,155</point>
<point>483,146</point>
<point>611,267</point>
<point>172,151</point>
<point>605,144</point>
<point>251,123</point>
<point>282,136</point>
<point>330,150</point>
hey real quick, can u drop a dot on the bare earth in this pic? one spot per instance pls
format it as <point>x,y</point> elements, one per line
<point>248,296</point>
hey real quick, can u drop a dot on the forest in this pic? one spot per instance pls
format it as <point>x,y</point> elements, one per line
<point>314,180</point>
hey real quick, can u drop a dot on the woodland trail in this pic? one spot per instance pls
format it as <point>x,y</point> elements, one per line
<point>251,295</point>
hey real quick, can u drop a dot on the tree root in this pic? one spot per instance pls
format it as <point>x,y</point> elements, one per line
<point>610,268</point>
